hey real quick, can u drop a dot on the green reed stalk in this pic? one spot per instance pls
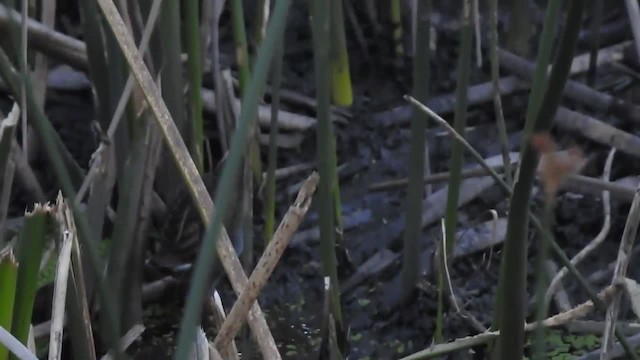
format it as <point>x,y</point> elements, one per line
<point>322,40</point>
<point>514,254</point>
<point>270,188</point>
<point>415,187</point>
<point>194,70</point>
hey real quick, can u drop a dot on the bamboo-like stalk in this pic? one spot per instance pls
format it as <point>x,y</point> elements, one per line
<point>417,158</point>
<point>97,62</point>
<point>260,23</point>
<point>456,159</point>
<point>167,46</point>
<point>535,98</point>
<point>335,192</point>
<point>252,166</point>
<point>8,277</point>
<point>341,92</point>
<point>597,9</point>
<point>460,121</point>
<point>194,69</point>
<point>270,188</point>
<point>519,30</point>
<point>248,114</point>
<point>125,222</point>
<point>515,249</point>
<point>396,23</point>
<point>321,40</point>
<point>30,250</point>
<point>240,41</point>
<point>497,98</point>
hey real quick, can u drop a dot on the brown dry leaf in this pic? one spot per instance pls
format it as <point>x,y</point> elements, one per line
<point>555,165</point>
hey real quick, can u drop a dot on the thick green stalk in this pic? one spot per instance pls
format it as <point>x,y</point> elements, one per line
<point>538,88</point>
<point>321,40</point>
<point>8,277</point>
<point>240,40</point>
<point>32,242</point>
<point>166,51</point>
<point>415,188</point>
<point>514,255</point>
<point>252,166</point>
<point>270,189</point>
<point>459,123</point>
<point>97,61</point>
<point>497,98</point>
<point>542,282</point>
<point>248,115</point>
<point>456,159</point>
<point>260,24</point>
<point>194,69</point>
<point>125,225</point>
<point>335,191</point>
<point>341,92</point>
<point>539,84</point>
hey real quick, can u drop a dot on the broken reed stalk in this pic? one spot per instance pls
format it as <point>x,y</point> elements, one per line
<point>267,263</point>
<point>63,266</point>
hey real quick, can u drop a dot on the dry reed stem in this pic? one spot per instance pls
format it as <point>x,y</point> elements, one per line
<point>283,235</point>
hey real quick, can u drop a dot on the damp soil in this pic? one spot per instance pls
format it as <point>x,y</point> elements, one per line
<point>375,148</point>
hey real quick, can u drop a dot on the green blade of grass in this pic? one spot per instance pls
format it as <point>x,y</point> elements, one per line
<point>248,115</point>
